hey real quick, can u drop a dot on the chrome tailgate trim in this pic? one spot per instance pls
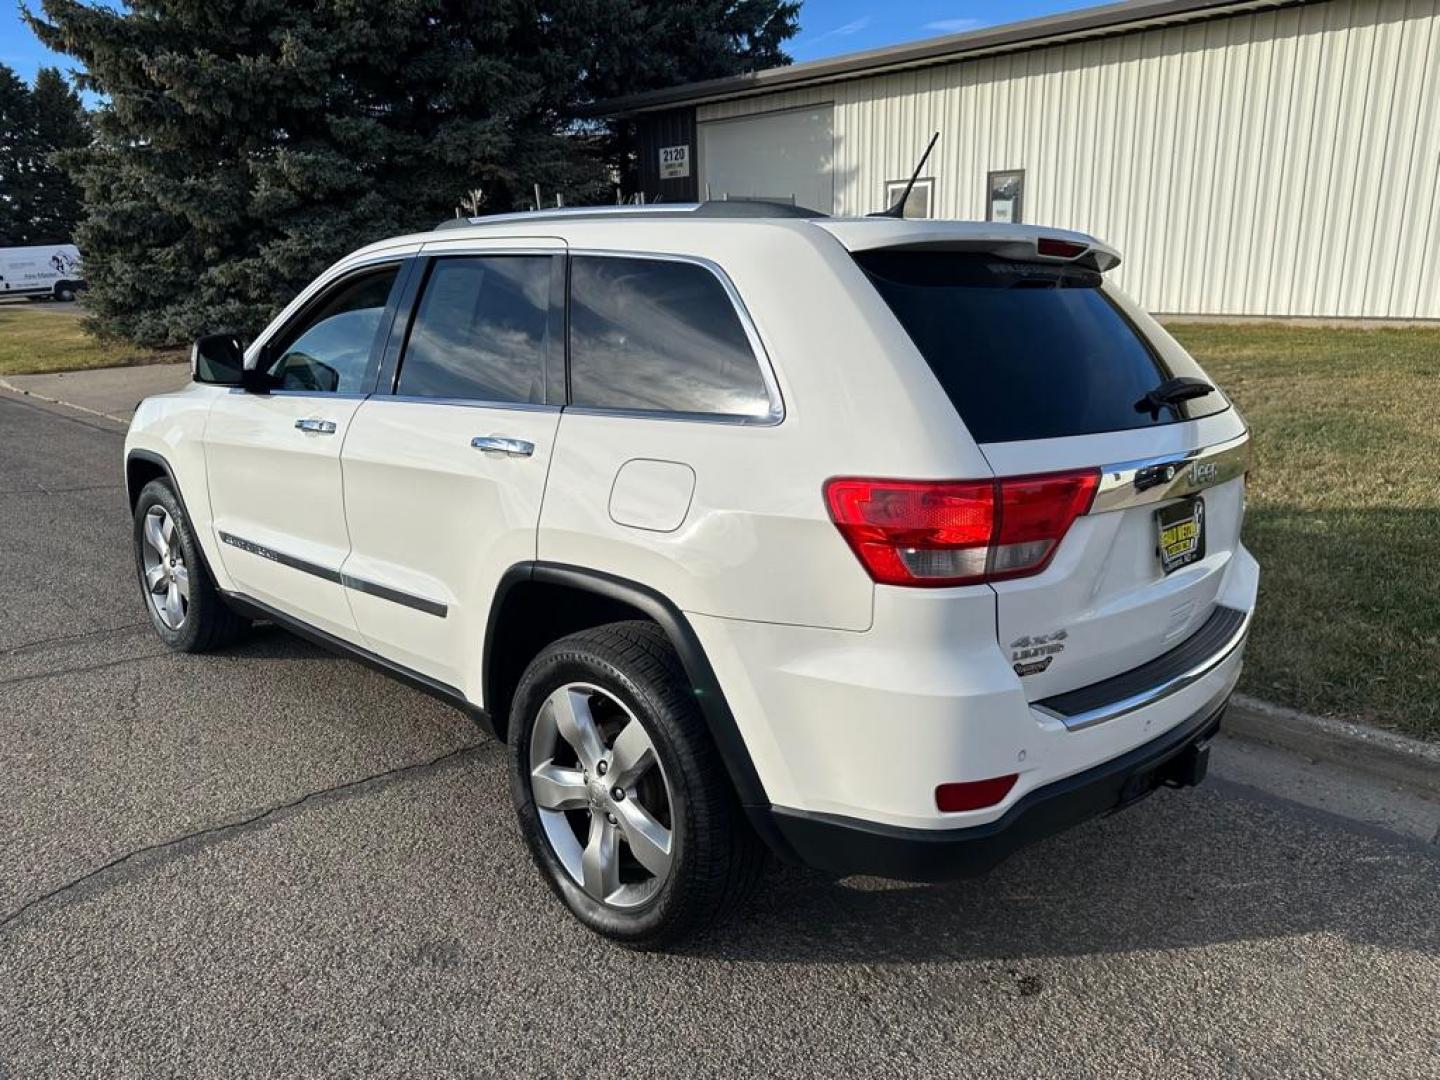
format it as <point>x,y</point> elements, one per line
<point>1169,476</point>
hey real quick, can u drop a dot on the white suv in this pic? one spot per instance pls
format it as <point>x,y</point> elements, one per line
<point>888,546</point>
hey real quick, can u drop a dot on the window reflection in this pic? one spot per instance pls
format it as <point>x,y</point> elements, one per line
<point>479,332</point>
<point>659,335</point>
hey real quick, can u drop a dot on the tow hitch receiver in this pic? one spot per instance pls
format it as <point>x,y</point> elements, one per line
<point>1185,769</point>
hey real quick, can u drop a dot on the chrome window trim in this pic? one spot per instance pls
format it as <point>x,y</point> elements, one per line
<point>327,395</point>
<point>1159,692</point>
<point>776,412</point>
<point>1127,484</point>
<point>470,403</point>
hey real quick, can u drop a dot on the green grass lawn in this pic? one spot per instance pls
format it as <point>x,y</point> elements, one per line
<point>1344,515</point>
<point>33,340</point>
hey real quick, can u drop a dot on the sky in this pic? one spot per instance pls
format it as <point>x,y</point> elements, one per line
<point>827,27</point>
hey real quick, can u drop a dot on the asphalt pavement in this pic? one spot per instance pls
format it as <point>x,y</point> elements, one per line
<point>271,862</point>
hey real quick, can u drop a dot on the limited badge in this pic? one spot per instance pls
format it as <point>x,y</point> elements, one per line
<point>1181,533</point>
<point>1032,654</point>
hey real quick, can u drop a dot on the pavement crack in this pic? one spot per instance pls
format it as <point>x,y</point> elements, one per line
<point>27,646</point>
<point>178,845</point>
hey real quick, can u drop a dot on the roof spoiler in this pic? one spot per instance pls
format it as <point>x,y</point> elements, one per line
<point>1022,243</point>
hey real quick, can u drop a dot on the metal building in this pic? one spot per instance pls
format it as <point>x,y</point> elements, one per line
<point>1253,158</point>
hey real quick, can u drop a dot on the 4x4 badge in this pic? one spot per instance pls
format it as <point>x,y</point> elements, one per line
<point>1032,654</point>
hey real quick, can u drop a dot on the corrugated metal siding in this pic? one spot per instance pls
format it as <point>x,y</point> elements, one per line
<point>1279,163</point>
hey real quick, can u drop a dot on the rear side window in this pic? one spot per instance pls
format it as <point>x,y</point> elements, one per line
<point>659,335</point>
<point>1024,350</point>
<point>479,331</point>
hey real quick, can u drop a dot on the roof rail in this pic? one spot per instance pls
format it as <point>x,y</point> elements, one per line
<point>714,208</point>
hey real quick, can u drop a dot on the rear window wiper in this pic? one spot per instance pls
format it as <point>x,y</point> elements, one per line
<point>1172,392</point>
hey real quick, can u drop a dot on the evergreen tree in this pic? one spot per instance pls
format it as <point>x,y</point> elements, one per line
<point>60,124</point>
<point>17,139</point>
<point>245,144</point>
<point>38,203</point>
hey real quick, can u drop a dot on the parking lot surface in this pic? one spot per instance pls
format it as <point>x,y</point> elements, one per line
<point>272,862</point>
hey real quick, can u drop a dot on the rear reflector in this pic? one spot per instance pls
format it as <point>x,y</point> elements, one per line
<point>1060,249</point>
<point>974,794</point>
<point>957,532</point>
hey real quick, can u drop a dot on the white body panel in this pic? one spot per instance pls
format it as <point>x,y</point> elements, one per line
<point>276,486</point>
<point>432,517</point>
<point>851,699</point>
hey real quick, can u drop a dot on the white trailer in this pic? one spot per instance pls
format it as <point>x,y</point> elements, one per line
<point>48,270</point>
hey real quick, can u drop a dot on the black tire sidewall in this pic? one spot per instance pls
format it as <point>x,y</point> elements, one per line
<point>565,664</point>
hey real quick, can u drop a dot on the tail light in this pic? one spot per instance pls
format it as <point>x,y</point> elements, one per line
<point>958,532</point>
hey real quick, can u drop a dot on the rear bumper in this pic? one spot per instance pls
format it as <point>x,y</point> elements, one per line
<point>846,846</point>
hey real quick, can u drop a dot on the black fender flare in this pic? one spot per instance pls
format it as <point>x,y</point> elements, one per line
<point>130,496</point>
<point>660,608</point>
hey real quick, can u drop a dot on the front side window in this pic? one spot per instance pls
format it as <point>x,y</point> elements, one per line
<point>659,335</point>
<point>479,332</point>
<point>330,349</point>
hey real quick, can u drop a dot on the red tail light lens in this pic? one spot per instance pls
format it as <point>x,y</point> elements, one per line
<point>1035,514</point>
<point>1061,249</point>
<point>973,794</point>
<point>957,532</point>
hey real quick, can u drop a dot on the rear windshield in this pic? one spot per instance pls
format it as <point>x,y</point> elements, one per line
<point>1024,350</point>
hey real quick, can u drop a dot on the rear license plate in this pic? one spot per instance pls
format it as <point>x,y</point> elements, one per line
<point>1181,529</point>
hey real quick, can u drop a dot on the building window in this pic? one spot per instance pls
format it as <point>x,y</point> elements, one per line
<point>921,203</point>
<point>1005,196</point>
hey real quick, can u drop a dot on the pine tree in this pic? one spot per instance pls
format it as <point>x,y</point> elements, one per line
<point>61,125</point>
<point>17,141</point>
<point>245,144</point>
<point>38,202</point>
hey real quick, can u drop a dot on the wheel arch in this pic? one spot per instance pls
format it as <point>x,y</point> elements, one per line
<point>143,466</point>
<point>522,622</point>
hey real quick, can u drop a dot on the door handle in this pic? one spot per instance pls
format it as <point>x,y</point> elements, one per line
<point>501,445</point>
<point>319,427</point>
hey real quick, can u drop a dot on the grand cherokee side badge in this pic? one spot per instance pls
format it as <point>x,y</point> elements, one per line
<point>1032,654</point>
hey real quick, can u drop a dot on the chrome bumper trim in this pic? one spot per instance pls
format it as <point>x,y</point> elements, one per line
<point>1159,692</point>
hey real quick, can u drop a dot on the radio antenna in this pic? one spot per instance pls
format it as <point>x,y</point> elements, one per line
<point>898,210</point>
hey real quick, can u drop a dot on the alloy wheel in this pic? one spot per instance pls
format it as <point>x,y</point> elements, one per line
<point>167,578</point>
<point>603,798</point>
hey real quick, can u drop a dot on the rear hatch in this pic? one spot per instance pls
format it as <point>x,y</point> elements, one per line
<point>1048,368</point>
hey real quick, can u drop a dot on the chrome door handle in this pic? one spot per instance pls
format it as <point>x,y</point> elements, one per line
<point>501,445</point>
<point>319,427</point>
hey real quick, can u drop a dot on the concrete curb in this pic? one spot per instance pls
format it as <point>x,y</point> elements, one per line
<point>1405,762</point>
<point>6,384</point>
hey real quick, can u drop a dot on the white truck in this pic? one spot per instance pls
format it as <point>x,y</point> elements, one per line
<point>46,270</point>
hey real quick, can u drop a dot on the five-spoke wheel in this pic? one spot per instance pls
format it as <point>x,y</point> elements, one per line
<point>602,795</point>
<point>621,794</point>
<point>167,578</point>
<point>185,608</point>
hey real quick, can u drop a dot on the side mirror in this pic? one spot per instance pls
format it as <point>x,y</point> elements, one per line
<point>218,359</point>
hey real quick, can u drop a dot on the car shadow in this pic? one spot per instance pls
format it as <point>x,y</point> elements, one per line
<point>1181,869</point>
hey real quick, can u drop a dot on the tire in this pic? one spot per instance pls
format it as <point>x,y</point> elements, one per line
<point>621,674</point>
<point>64,293</point>
<point>204,622</point>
